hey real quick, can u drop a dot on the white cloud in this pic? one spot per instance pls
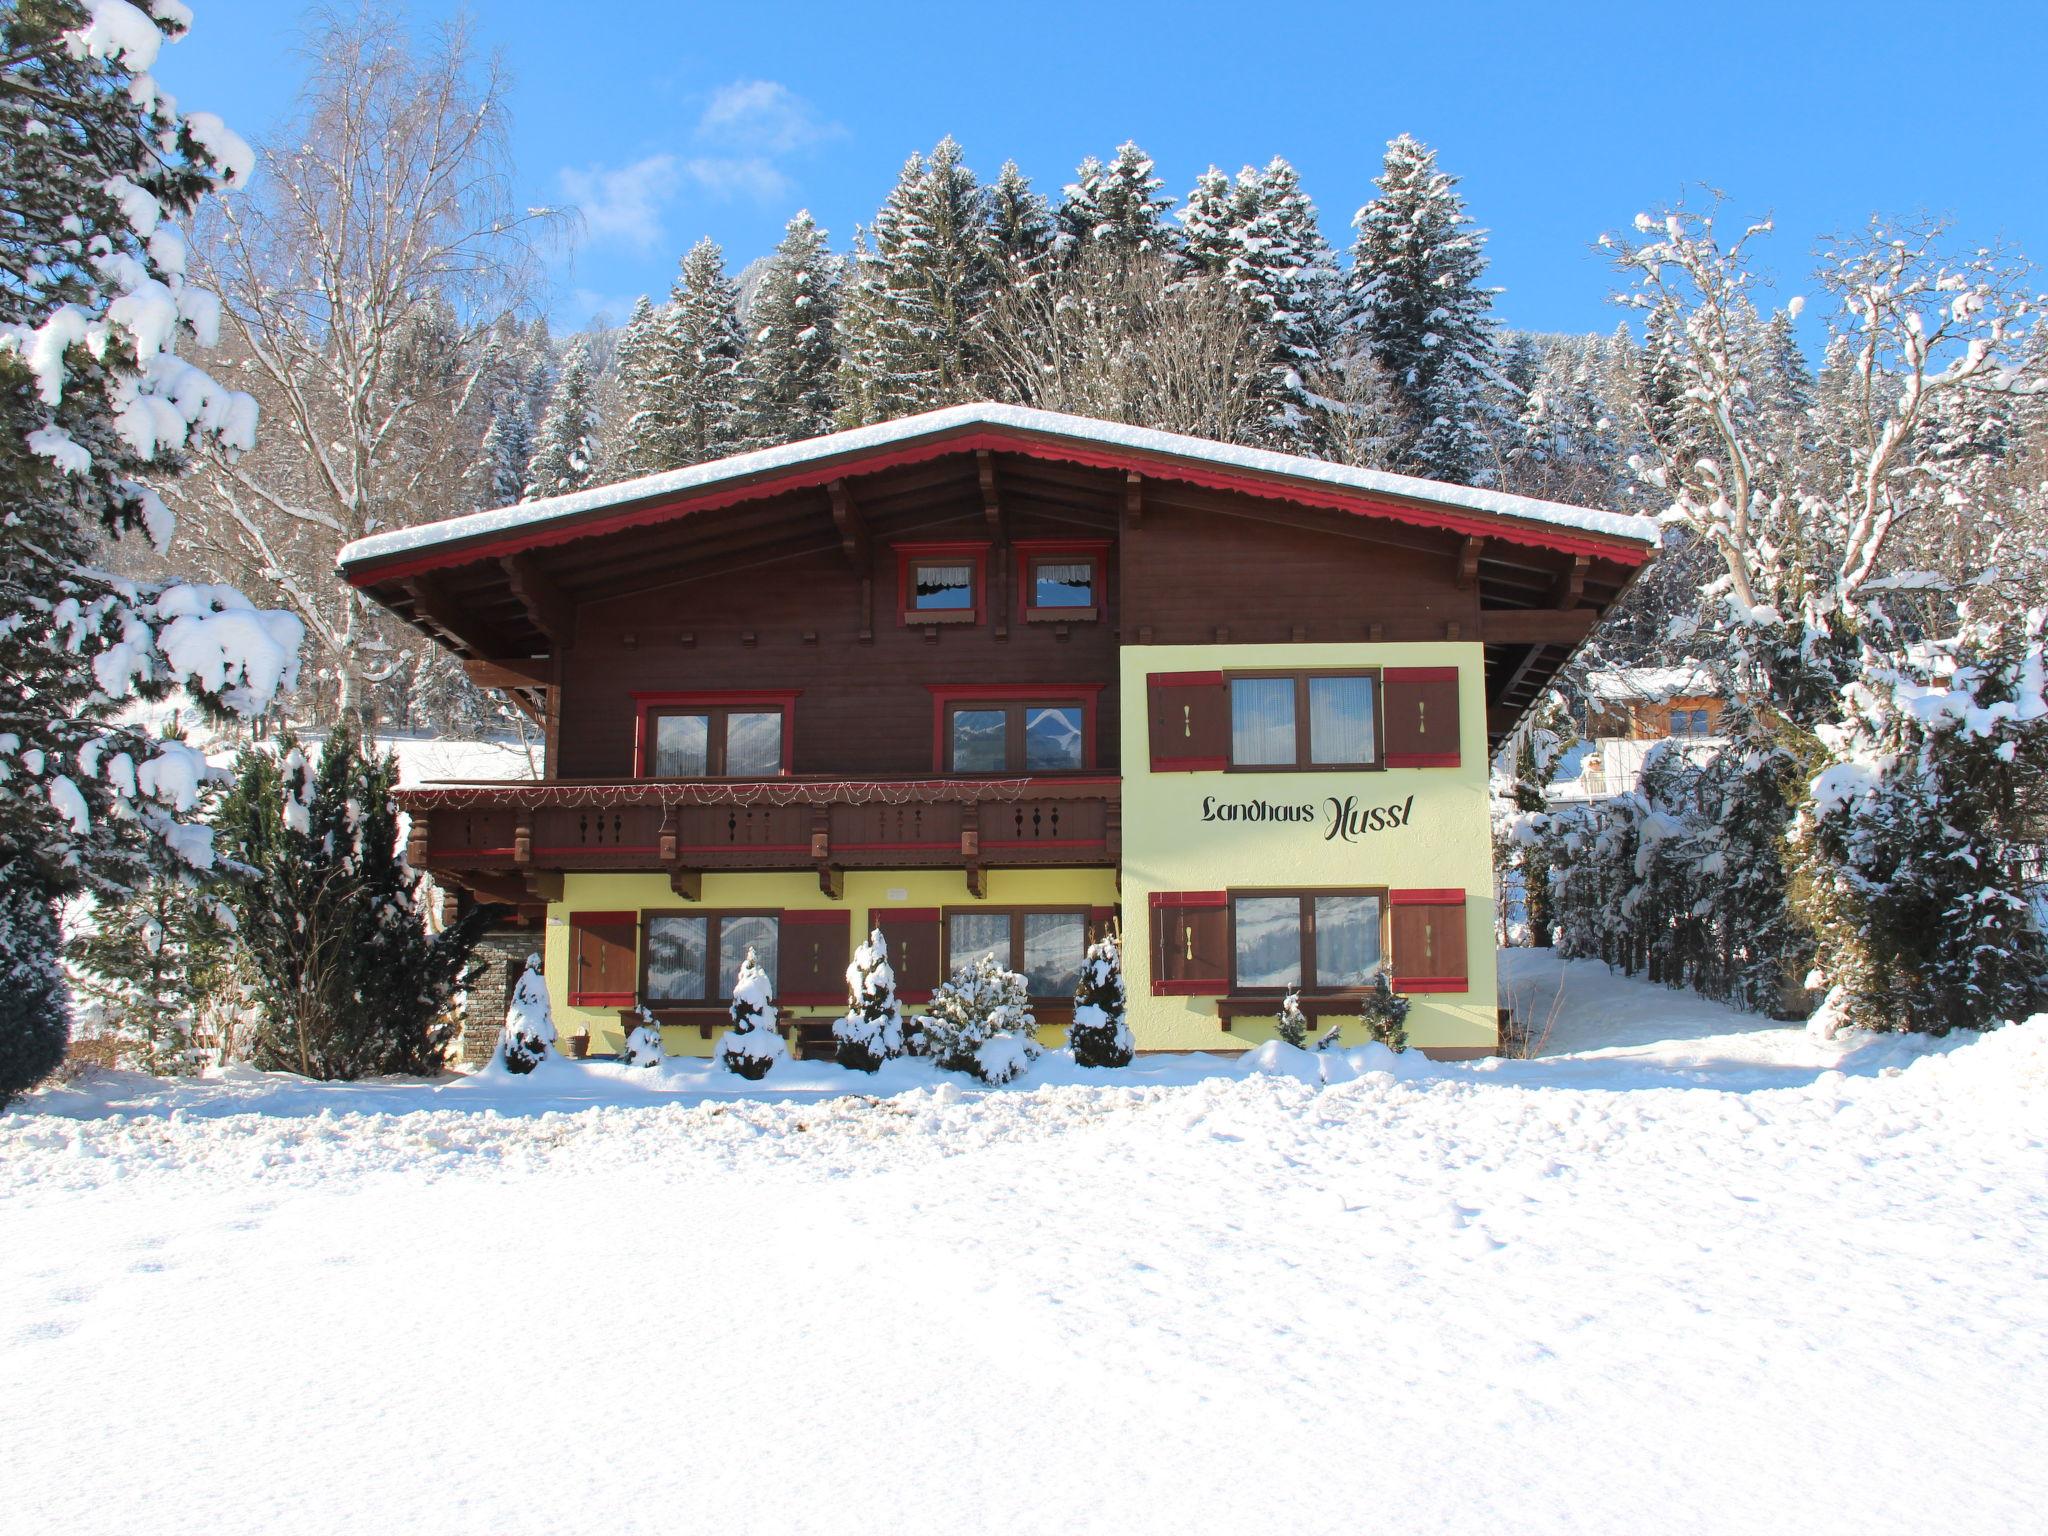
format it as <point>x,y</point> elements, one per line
<point>752,176</point>
<point>761,117</point>
<point>585,307</point>
<point>623,206</point>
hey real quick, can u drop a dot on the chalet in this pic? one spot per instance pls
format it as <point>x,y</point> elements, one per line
<point>990,679</point>
<point>1631,715</point>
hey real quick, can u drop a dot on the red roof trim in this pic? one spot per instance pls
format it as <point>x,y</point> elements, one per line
<point>1006,440</point>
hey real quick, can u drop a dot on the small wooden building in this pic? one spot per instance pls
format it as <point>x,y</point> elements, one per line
<point>990,679</point>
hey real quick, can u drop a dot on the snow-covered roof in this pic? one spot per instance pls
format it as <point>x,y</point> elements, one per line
<point>544,515</point>
<point>1652,685</point>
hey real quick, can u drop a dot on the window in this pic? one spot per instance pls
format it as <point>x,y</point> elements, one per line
<point>1045,947</point>
<point>941,583</point>
<point>695,957</point>
<point>1690,722</point>
<point>1305,720</point>
<point>708,736</point>
<point>1060,581</point>
<point>1014,730</point>
<point>1319,941</point>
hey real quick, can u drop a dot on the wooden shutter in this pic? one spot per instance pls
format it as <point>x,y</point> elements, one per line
<point>1190,944</point>
<point>1190,717</point>
<point>914,949</point>
<point>1422,717</point>
<point>1429,941</point>
<point>604,959</point>
<point>811,956</point>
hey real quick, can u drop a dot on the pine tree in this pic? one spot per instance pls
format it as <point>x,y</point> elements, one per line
<point>1099,1035</point>
<point>1281,264</point>
<point>791,367</point>
<point>498,476</point>
<point>95,403</point>
<point>528,1038</point>
<point>1211,220</point>
<point>347,978</point>
<point>148,964</point>
<point>1419,309</point>
<point>646,391</point>
<point>565,454</point>
<point>1290,1023</point>
<point>980,1022</point>
<point>1385,1013</point>
<point>703,345</point>
<point>753,1044</point>
<point>1020,228</point>
<point>871,1030</point>
<point>643,1047</point>
<point>916,302</point>
<point>1116,207</point>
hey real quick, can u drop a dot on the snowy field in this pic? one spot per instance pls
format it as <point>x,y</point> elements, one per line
<point>1688,1272</point>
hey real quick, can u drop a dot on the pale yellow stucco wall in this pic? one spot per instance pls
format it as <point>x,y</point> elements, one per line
<point>1167,846</point>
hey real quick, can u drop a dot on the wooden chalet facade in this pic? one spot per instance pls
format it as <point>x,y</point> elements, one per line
<point>986,679</point>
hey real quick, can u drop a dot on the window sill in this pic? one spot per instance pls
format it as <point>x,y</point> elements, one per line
<point>914,616</point>
<point>1062,615</point>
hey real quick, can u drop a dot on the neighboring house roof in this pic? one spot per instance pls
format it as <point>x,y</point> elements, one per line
<point>1652,685</point>
<point>1009,428</point>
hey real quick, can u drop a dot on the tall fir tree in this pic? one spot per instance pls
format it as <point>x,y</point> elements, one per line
<point>148,964</point>
<point>565,455</point>
<point>1210,222</point>
<point>790,372</point>
<point>916,301</point>
<point>1419,308</point>
<point>1286,271</point>
<point>94,404</point>
<point>702,353</point>
<point>640,367</point>
<point>1116,207</point>
<point>1020,228</point>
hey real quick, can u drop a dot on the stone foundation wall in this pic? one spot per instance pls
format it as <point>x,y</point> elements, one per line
<point>503,957</point>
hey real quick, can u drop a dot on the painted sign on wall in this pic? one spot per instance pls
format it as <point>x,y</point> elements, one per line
<point>1340,817</point>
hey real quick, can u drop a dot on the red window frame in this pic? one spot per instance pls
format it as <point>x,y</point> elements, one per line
<point>947,697</point>
<point>745,700</point>
<point>1031,551</point>
<point>909,556</point>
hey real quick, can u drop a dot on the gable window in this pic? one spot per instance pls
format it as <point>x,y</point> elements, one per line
<point>1305,720</point>
<point>713,736</point>
<point>1319,941</point>
<point>1044,946</point>
<point>941,583</point>
<point>1060,581</point>
<point>1014,730</point>
<point>695,957</point>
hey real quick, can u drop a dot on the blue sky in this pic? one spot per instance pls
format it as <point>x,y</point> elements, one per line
<point>665,121</point>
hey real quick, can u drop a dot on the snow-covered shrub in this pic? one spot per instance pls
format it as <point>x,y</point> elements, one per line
<point>977,1008</point>
<point>753,1044</point>
<point>1100,1035</point>
<point>529,1022</point>
<point>1386,1014</point>
<point>345,975</point>
<point>871,1029</point>
<point>1291,1024</point>
<point>643,1047</point>
<point>1331,1039</point>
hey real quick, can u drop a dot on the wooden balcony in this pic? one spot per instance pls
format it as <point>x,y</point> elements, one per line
<point>513,841</point>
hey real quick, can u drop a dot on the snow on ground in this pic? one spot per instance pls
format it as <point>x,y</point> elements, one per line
<point>1691,1272</point>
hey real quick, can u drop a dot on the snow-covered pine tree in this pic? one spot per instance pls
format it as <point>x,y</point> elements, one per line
<point>1116,207</point>
<point>1385,1012</point>
<point>703,345</point>
<point>498,476</point>
<point>754,1043</point>
<point>348,980</point>
<point>566,449</point>
<point>1100,1036</point>
<point>147,965</point>
<point>1290,1023</point>
<point>980,1022</point>
<point>915,303</point>
<point>94,404</point>
<point>643,1047</point>
<point>791,367</point>
<point>1285,269</point>
<point>871,1029</point>
<point>645,393</point>
<point>528,1037</point>
<point>1419,309</point>
<point>1020,228</point>
<point>1210,221</point>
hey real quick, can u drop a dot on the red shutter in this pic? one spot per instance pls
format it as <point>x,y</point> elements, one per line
<point>1429,941</point>
<point>604,969</point>
<point>914,949</point>
<point>1422,717</point>
<point>811,956</point>
<point>1190,719</point>
<point>1190,944</point>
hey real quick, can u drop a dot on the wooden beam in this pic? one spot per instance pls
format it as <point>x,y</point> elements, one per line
<point>1513,680</point>
<point>854,539</point>
<point>991,503</point>
<point>1343,525</point>
<point>544,884</point>
<point>546,608</point>
<point>510,671</point>
<point>1134,498</point>
<point>434,610</point>
<point>1572,584</point>
<point>686,883</point>
<point>1468,560</point>
<point>1536,626</point>
<point>998,528</point>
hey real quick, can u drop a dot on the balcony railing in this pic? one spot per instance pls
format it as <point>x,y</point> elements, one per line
<point>484,834</point>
